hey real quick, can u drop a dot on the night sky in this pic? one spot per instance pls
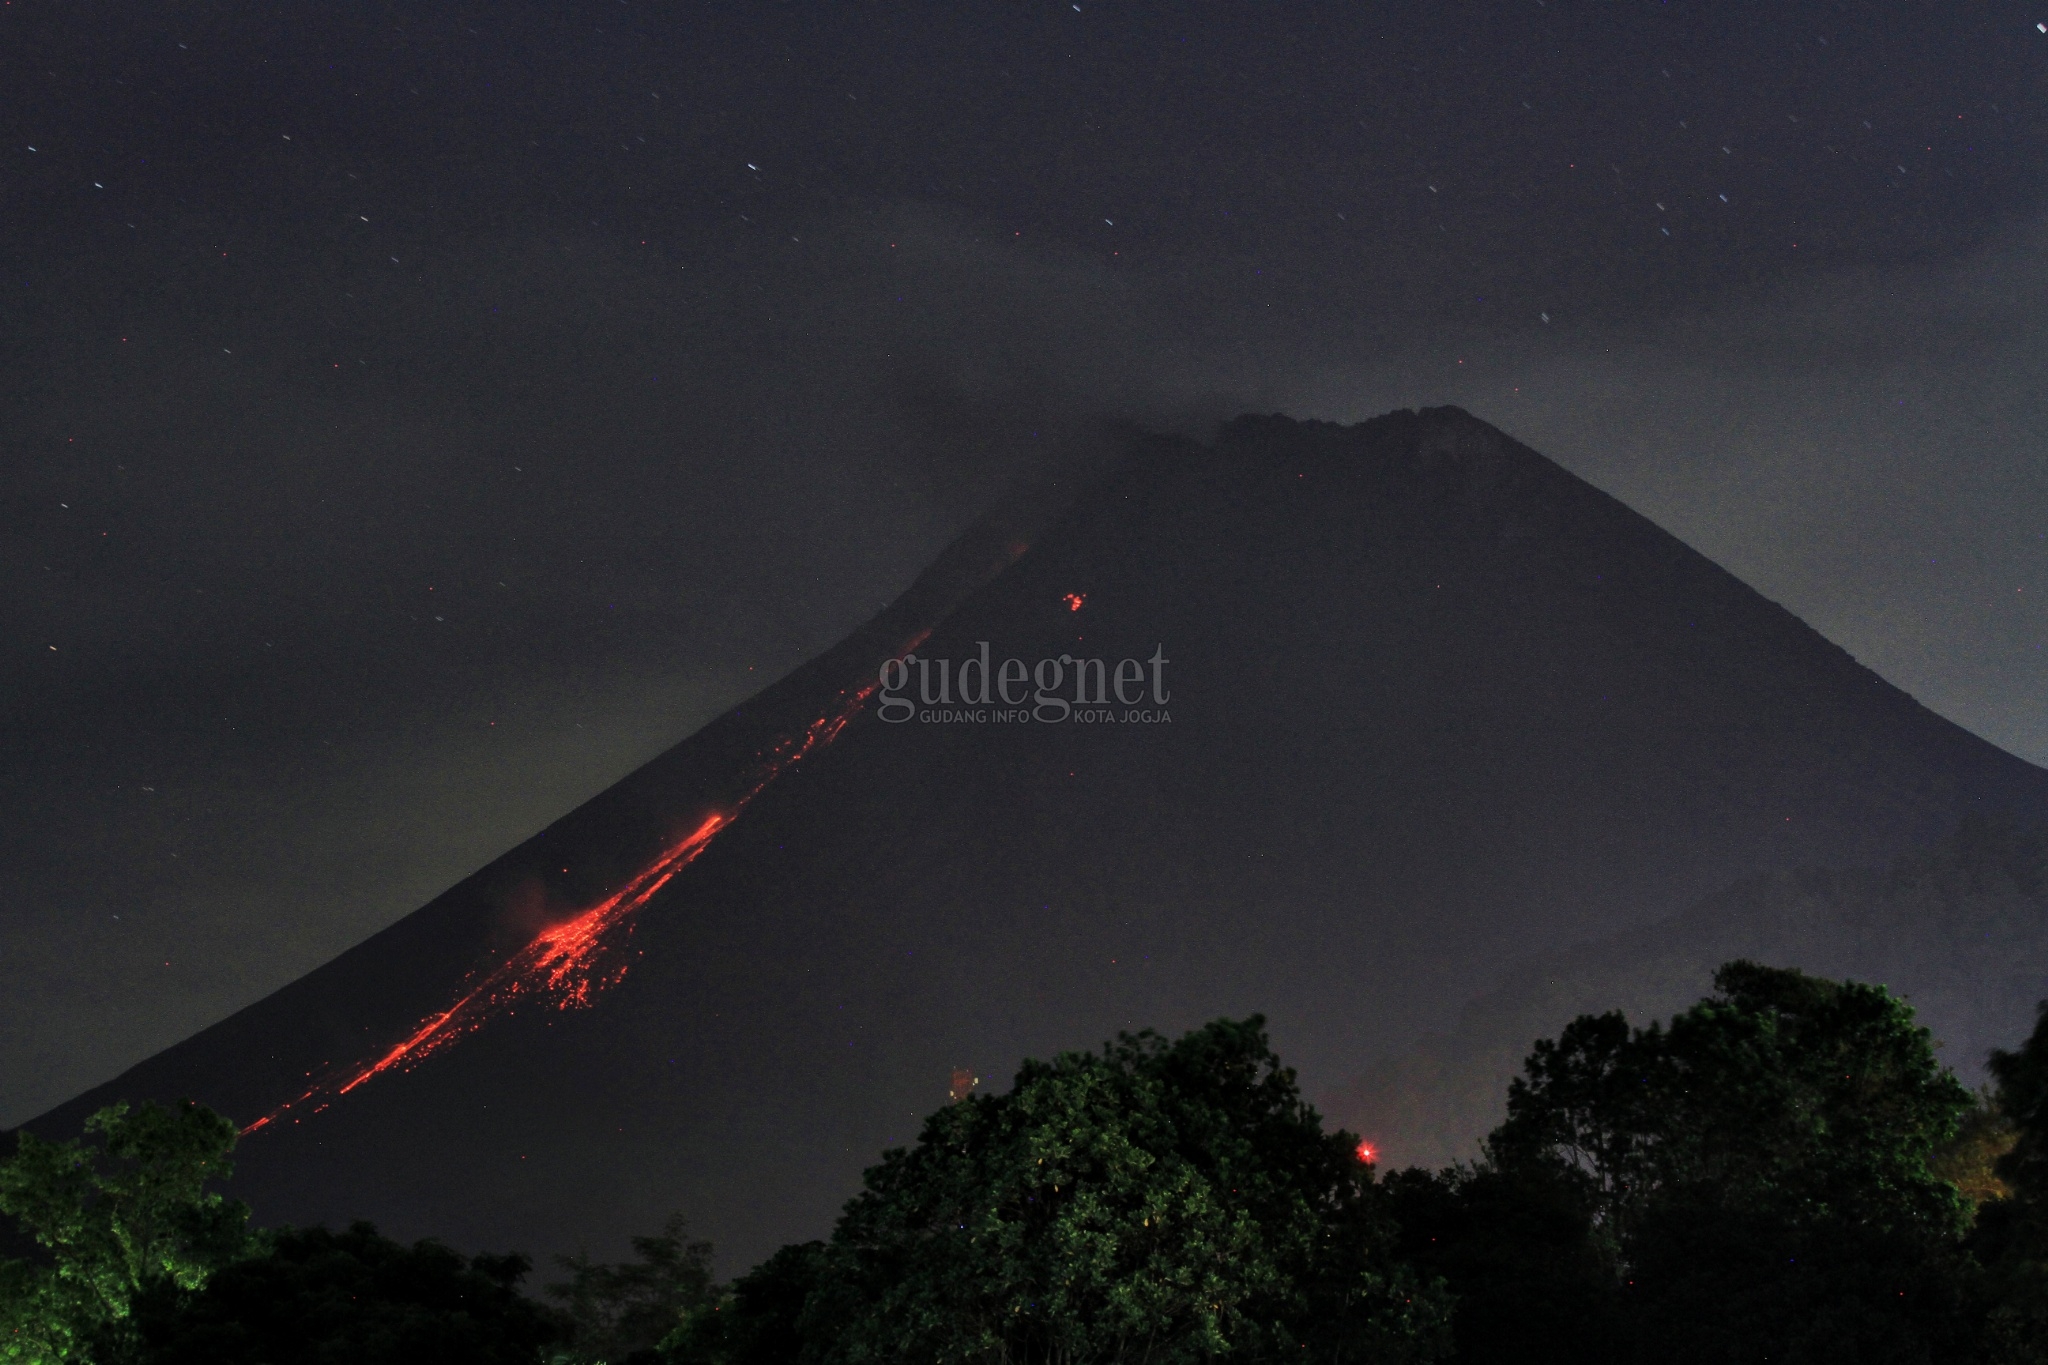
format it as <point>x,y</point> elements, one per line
<point>415,416</point>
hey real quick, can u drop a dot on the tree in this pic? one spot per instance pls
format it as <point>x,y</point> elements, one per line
<point>112,1217</point>
<point>1971,1159</point>
<point>2012,1234</point>
<point>316,1297</point>
<point>1517,1250</point>
<point>758,1320</point>
<point>1157,1201</point>
<point>1817,1099</point>
<point>1757,1175</point>
<point>2022,1080</point>
<point>618,1311</point>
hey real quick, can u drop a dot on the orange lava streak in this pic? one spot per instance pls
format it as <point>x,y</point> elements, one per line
<point>563,960</point>
<point>571,962</point>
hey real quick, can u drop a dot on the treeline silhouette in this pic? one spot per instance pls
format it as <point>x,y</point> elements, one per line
<point>1782,1172</point>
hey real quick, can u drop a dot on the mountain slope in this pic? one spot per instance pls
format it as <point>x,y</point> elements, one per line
<point>1421,705</point>
<point>1960,930</point>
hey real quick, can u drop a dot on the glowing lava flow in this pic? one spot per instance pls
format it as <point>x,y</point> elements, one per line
<point>570,963</point>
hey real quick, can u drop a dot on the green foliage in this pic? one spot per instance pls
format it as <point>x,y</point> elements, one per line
<point>759,1319</point>
<point>616,1311</point>
<point>1783,1172</point>
<point>325,1298</point>
<point>1970,1160</point>
<point>1754,1182</point>
<point>111,1217</point>
<point>1156,1201</point>
<point>2022,1079</point>
<point>1814,1099</point>
<point>2012,1234</point>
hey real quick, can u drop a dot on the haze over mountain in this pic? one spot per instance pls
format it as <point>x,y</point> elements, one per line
<point>1420,706</point>
<point>1960,930</point>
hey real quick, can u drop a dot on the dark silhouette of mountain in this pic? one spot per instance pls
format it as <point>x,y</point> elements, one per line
<point>1417,707</point>
<point>1960,930</point>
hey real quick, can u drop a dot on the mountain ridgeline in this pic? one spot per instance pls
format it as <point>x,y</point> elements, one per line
<point>1406,707</point>
<point>1960,930</point>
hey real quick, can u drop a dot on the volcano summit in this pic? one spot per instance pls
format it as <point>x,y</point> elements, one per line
<point>1338,724</point>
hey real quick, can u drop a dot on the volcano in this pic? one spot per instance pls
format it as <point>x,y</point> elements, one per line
<point>1341,725</point>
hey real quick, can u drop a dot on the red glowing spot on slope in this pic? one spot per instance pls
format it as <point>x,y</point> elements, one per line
<point>565,961</point>
<point>1075,600</point>
<point>571,963</point>
<point>1368,1153</point>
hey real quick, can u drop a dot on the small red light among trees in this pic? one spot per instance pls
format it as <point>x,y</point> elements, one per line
<point>1367,1153</point>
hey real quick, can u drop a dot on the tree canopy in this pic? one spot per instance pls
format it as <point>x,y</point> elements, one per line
<point>111,1216</point>
<point>2012,1233</point>
<point>620,1312</point>
<point>1782,1172</point>
<point>1820,1100</point>
<point>1756,1179</point>
<point>1164,1201</point>
<point>315,1297</point>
